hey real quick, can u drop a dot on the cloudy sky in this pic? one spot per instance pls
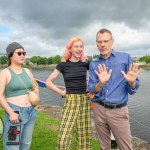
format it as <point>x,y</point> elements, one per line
<point>44,27</point>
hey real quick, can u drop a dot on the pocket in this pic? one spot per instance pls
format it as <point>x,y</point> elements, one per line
<point>126,113</point>
<point>122,113</point>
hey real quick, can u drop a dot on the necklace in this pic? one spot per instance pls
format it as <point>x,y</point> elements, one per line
<point>16,71</point>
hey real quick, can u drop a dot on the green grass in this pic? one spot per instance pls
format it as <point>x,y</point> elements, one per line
<point>46,133</point>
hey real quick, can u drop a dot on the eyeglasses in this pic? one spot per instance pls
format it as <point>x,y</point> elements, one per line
<point>21,53</point>
<point>105,41</point>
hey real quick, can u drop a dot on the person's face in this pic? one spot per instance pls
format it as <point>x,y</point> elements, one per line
<point>104,43</point>
<point>77,49</point>
<point>18,56</point>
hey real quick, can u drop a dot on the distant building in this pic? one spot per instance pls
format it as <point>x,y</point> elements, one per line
<point>135,59</point>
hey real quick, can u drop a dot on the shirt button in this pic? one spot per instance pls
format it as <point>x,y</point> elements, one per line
<point>106,90</point>
<point>106,98</point>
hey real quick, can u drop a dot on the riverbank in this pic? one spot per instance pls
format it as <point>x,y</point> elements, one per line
<point>52,66</point>
<point>145,67</point>
<point>55,111</point>
<point>41,67</point>
<point>35,67</point>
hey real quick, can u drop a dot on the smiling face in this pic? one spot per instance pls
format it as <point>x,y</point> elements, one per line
<point>18,56</point>
<point>77,50</point>
<point>104,43</point>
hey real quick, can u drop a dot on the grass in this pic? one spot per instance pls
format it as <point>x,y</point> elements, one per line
<point>46,133</point>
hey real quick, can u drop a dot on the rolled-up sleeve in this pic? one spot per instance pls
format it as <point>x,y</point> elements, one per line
<point>133,91</point>
<point>130,90</point>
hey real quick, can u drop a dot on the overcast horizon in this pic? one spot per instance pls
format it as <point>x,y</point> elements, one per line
<point>44,28</point>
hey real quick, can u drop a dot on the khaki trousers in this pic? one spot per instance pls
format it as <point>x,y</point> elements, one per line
<point>116,120</point>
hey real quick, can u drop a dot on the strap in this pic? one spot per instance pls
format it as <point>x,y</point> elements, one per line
<point>21,81</point>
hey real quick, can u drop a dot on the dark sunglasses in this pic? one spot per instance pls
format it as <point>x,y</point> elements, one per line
<point>21,53</point>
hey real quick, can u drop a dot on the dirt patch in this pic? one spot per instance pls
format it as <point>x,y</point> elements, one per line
<point>139,144</point>
<point>53,110</point>
<point>54,127</point>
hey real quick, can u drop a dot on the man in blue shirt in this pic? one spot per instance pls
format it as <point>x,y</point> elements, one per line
<point>111,77</point>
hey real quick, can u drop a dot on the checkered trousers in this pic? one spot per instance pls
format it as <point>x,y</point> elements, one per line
<point>77,109</point>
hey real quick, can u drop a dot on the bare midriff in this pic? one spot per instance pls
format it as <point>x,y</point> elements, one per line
<point>21,100</point>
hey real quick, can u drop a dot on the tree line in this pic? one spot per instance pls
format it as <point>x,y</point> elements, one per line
<point>145,59</point>
<point>38,60</point>
<point>45,61</point>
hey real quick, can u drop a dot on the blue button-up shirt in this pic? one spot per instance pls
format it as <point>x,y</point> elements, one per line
<point>117,88</point>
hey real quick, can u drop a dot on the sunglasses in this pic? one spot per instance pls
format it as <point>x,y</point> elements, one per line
<point>21,53</point>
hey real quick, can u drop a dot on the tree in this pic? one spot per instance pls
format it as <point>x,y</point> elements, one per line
<point>3,60</point>
<point>56,59</point>
<point>42,60</point>
<point>34,59</point>
<point>90,58</point>
<point>145,59</point>
<point>95,56</point>
<point>50,60</point>
<point>27,63</point>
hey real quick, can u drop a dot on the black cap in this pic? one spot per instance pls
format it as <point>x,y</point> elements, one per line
<point>12,47</point>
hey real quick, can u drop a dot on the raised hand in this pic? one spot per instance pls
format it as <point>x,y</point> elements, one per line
<point>132,73</point>
<point>102,73</point>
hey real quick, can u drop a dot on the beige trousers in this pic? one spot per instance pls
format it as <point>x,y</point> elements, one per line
<point>116,120</point>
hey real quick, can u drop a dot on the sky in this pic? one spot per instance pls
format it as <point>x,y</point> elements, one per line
<point>44,27</point>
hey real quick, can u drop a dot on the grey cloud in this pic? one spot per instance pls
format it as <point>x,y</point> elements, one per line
<point>60,18</point>
<point>55,21</point>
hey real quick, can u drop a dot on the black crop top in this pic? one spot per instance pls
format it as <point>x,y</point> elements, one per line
<point>74,74</point>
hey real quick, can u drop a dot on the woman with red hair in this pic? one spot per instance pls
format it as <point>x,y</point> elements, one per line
<point>76,108</point>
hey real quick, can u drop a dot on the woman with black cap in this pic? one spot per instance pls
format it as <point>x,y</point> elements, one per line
<point>15,80</point>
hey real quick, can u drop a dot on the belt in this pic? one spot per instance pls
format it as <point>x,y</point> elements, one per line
<point>110,105</point>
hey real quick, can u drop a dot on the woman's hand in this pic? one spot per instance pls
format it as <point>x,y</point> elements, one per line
<point>63,93</point>
<point>36,107</point>
<point>14,117</point>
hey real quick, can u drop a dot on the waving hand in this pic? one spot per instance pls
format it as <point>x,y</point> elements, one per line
<point>132,74</point>
<point>103,75</point>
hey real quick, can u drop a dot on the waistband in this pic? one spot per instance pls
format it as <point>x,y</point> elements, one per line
<point>111,105</point>
<point>18,108</point>
<point>75,96</point>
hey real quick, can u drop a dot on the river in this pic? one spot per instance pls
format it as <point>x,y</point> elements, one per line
<point>139,103</point>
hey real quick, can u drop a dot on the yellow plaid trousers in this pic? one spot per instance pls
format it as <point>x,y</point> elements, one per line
<point>77,109</point>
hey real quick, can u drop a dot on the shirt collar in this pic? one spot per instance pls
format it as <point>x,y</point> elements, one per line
<point>113,53</point>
